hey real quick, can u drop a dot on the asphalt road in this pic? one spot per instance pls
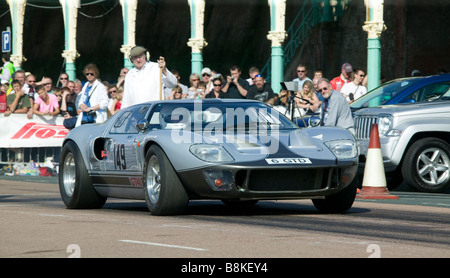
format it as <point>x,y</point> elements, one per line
<point>34,223</point>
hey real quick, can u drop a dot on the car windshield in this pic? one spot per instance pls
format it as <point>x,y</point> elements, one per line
<point>384,93</point>
<point>217,116</point>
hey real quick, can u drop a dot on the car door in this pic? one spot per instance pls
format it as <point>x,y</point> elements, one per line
<point>124,140</point>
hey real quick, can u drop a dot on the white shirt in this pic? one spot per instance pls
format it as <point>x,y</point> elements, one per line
<point>357,91</point>
<point>98,95</point>
<point>143,85</point>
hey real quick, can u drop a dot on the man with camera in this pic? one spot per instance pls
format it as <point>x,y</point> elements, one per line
<point>235,87</point>
<point>94,99</point>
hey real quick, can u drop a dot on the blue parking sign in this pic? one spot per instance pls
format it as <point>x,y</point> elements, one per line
<point>6,41</point>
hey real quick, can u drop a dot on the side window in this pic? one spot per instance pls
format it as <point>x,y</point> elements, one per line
<point>429,93</point>
<point>126,123</point>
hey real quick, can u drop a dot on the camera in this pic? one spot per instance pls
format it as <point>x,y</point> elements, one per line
<point>92,113</point>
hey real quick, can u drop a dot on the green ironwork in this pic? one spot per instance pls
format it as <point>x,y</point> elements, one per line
<point>311,14</point>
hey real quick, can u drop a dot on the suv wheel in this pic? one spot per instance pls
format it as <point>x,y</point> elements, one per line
<point>427,165</point>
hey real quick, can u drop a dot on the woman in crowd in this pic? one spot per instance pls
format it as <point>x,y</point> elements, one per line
<point>45,103</point>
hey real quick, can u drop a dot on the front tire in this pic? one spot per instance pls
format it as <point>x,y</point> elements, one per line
<point>339,202</point>
<point>163,190</point>
<point>75,184</point>
<point>426,166</point>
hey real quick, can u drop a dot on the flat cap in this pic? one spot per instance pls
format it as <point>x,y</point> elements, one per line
<point>137,51</point>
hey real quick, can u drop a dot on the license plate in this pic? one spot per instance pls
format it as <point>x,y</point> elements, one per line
<point>288,161</point>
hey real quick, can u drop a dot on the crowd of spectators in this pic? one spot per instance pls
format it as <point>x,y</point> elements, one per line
<point>22,93</point>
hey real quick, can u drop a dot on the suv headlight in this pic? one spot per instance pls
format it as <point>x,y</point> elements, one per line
<point>385,124</point>
<point>343,149</point>
<point>210,153</point>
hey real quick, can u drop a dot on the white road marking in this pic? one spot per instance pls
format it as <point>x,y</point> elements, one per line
<point>163,245</point>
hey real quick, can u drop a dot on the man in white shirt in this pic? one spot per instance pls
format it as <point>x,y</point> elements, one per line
<point>354,90</point>
<point>143,82</point>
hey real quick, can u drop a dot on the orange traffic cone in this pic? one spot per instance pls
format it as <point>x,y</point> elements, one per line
<point>374,179</point>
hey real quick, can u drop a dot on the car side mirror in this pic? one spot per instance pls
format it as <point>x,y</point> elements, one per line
<point>142,125</point>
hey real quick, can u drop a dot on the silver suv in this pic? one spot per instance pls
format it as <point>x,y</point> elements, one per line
<point>415,142</point>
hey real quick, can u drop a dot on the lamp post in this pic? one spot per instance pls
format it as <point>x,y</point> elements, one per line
<point>374,26</point>
<point>277,35</point>
<point>197,42</point>
<point>129,8</point>
<point>70,14</point>
<point>17,8</point>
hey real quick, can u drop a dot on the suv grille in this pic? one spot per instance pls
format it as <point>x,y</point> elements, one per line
<point>363,124</point>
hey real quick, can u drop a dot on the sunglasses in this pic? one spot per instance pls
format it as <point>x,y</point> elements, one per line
<point>63,78</point>
<point>89,73</point>
<point>324,89</point>
<point>217,85</point>
<point>301,71</point>
<point>258,75</point>
<point>205,74</point>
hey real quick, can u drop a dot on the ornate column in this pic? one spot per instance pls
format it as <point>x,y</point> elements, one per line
<point>374,26</point>
<point>70,14</point>
<point>17,9</point>
<point>277,35</point>
<point>129,8</point>
<point>197,42</point>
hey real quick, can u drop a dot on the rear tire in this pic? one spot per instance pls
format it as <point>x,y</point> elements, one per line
<point>426,166</point>
<point>75,184</point>
<point>339,202</point>
<point>163,190</point>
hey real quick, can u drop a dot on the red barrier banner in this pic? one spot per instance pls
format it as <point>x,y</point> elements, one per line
<point>17,131</point>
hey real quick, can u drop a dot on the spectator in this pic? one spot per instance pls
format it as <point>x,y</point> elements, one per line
<point>77,90</point>
<point>318,73</point>
<point>217,92</point>
<point>142,83</point>
<point>315,82</point>
<point>112,93</point>
<point>63,79</point>
<point>47,83</point>
<point>117,103</point>
<point>206,77</point>
<point>235,87</point>
<point>18,101</point>
<point>194,79</point>
<point>3,103</point>
<point>46,104</point>
<point>344,77</point>
<point>335,109</point>
<point>306,98</point>
<point>176,93</point>
<point>354,90</point>
<point>71,86</point>
<point>121,79</point>
<point>201,90</point>
<point>94,98</point>
<point>68,100</point>
<point>8,69</point>
<point>301,73</point>
<point>261,91</point>
<point>252,72</point>
<point>184,88</point>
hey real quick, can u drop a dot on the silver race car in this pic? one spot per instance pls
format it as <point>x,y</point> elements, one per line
<point>237,151</point>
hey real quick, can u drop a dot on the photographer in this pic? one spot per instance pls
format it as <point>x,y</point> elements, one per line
<point>236,87</point>
<point>94,98</point>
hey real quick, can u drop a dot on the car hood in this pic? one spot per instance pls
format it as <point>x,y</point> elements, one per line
<point>407,109</point>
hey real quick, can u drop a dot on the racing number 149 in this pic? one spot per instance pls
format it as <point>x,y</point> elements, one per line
<point>120,162</point>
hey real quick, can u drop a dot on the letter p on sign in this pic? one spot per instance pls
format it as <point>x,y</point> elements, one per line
<point>6,41</point>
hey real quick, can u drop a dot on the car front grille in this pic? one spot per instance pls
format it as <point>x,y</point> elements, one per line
<point>288,180</point>
<point>363,125</point>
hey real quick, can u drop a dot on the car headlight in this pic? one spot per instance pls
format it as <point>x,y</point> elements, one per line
<point>384,124</point>
<point>343,149</point>
<point>211,153</point>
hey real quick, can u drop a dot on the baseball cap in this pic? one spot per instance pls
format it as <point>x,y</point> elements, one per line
<point>136,51</point>
<point>206,70</point>
<point>347,67</point>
